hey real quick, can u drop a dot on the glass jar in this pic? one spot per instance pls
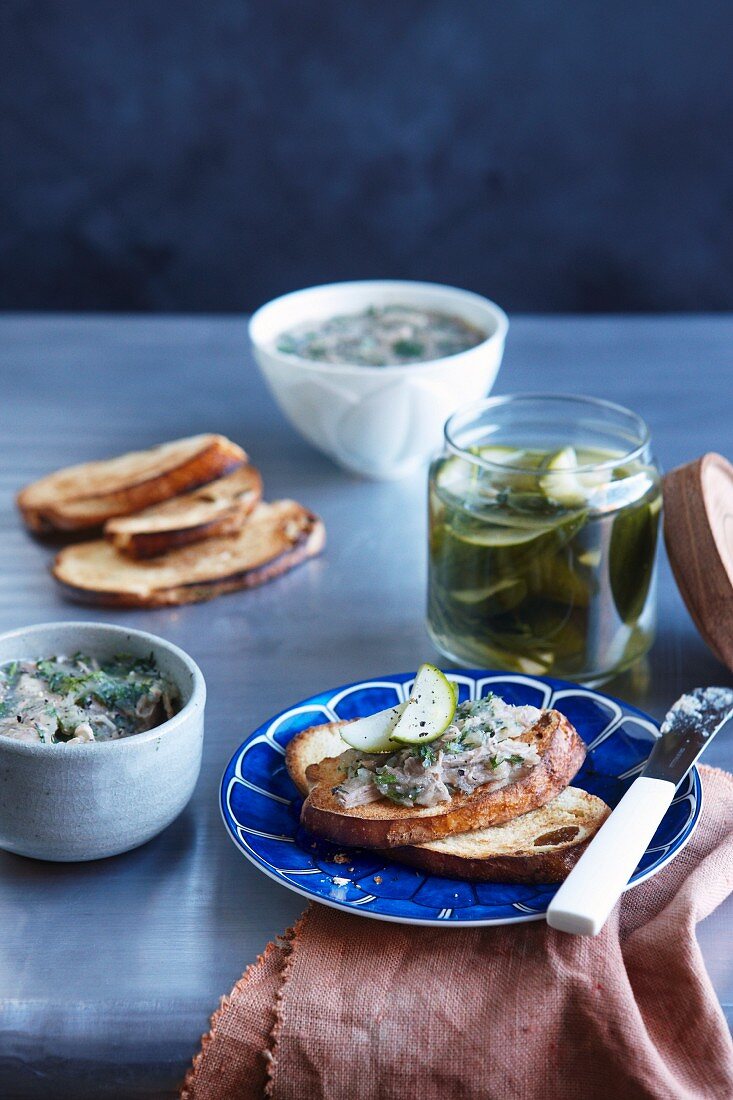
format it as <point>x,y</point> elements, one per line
<point>544,515</point>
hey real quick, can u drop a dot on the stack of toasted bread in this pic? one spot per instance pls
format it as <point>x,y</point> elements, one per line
<point>532,829</point>
<point>181,522</point>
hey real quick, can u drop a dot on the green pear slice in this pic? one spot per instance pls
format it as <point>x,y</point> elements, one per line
<point>454,689</point>
<point>373,733</point>
<point>429,710</point>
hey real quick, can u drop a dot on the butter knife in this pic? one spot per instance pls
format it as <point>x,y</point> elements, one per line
<point>589,893</point>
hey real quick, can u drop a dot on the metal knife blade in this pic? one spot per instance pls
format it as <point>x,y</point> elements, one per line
<point>687,730</point>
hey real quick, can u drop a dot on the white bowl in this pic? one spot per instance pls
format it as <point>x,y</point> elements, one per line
<point>92,799</point>
<point>381,422</point>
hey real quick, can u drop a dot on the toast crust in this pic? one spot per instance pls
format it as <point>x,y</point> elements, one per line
<point>548,867</point>
<point>276,538</point>
<point>218,508</point>
<point>532,862</point>
<point>385,824</point>
<point>85,496</point>
<point>310,747</point>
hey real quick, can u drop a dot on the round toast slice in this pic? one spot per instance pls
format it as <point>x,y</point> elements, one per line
<point>219,508</point>
<point>386,824</point>
<point>541,846</point>
<point>275,538</point>
<point>85,496</point>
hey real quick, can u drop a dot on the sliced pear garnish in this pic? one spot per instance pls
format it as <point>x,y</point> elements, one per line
<point>373,733</point>
<point>429,710</point>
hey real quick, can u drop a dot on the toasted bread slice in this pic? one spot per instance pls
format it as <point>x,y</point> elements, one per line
<point>85,496</point>
<point>219,508</point>
<point>385,824</point>
<point>540,846</point>
<point>275,538</point>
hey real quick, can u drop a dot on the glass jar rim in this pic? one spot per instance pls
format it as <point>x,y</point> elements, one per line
<point>476,408</point>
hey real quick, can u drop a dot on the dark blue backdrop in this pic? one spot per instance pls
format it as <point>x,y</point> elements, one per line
<point>193,155</point>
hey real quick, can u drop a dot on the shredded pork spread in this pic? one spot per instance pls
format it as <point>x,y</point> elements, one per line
<point>482,745</point>
<point>61,699</point>
<point>381,336</point>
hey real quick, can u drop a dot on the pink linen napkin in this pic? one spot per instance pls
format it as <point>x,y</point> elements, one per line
<point>345,1008</point>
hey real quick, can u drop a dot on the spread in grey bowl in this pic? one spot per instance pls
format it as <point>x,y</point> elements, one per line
<point>85,799</point>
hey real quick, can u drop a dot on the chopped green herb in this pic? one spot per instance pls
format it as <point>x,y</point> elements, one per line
<point>11,672</point>
<point>407,349</point>
<point>427,753</point>
<point>287,345</point>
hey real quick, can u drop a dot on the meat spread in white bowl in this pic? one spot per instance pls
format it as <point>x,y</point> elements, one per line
<point>381,336</point>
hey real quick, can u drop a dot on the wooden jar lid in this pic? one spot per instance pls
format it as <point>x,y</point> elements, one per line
<point>698,532</point>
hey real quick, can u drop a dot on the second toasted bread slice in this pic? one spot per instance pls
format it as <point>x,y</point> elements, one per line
<point>387,824</point>
<point>85,496</point>
<point>219,508</point>
<point>275,538</point>
<point>540,846</point>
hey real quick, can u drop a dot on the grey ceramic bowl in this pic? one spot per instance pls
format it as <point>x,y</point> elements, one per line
<point>89,800</point>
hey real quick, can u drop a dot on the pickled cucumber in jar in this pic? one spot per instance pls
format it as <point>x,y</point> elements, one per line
<point>541,561</point>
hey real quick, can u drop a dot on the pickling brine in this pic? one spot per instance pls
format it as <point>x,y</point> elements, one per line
<point>542,559</point>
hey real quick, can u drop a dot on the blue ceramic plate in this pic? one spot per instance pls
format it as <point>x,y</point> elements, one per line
<point>261,806</point>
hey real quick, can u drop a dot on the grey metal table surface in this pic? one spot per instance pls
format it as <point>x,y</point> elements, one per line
<point>109,970</point>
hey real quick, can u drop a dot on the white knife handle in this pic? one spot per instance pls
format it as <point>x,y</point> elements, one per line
<point>593,887</point>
